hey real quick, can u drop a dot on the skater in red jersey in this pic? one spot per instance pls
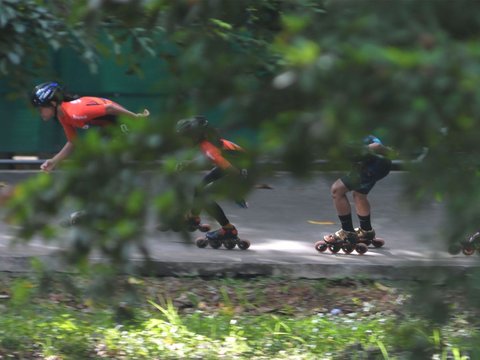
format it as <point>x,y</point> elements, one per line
<point>74,112</point>
<point>222,154</point>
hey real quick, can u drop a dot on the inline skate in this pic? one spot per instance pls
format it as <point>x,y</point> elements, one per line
<point>75,218</point>
<point>223,236</point>
<point>467,246</point>
<point>347,241</point>
<point>368,238</point>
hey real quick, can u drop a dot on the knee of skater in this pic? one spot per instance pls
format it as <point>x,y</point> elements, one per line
<point>332,193</point>
<point>338,189</point>
<point>335,192</point>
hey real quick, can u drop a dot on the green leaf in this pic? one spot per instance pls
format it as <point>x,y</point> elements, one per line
<point>294,23</point>
<point>221,24</point>
<point>14,58</point>
<point>19,27</point>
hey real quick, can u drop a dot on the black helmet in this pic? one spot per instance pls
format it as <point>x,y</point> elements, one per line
<point>45,93</point>
<point>192,127</point>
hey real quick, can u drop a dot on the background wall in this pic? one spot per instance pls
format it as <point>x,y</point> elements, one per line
<point>23,132</point>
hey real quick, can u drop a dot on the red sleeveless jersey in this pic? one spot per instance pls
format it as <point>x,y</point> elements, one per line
<point>214,153</point>
<point>81,113</point>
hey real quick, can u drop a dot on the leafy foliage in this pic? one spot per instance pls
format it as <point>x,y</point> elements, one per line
<point>33,31</point>
<point>208,323</point>
<point>306,78</point>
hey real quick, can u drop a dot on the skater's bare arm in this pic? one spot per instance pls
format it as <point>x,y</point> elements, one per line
<point>50,164</point>
<point>380,149</point>
<point>115,109</point>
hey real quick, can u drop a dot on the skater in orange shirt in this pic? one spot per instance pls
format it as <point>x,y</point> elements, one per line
<point>223,154</point>
<point>74,112</point>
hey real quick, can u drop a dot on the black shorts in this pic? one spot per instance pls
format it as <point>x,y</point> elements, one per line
<point>365,175</point>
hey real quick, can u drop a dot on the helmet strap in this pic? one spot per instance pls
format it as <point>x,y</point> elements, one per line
<point>55,106</point>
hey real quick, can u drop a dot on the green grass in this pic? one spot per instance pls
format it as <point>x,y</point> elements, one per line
<point>166,334</point>
<point>61,326</point>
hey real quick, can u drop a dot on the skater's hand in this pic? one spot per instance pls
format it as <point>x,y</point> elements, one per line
<point>48,165</point>
<point>143,114</point>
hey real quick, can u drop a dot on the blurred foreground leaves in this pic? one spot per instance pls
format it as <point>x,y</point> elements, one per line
<point>303,78</point>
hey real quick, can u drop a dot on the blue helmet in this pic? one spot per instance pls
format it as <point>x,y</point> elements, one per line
<point>371,139</point>
<point>45,93</point>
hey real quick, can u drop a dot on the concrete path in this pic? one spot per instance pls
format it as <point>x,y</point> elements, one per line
<point>282,225</point>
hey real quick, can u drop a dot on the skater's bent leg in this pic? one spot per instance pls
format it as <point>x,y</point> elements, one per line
<point>342,205</point>
<point>215,211</point>
<point>362,206</point>
<point>201,191</point>
<point>340,200</point>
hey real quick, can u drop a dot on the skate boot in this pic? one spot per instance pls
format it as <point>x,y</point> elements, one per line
<point>194,223</point>
<point>341,240</point>
<point>228,237</point>
<point>75,218</point>
<point>468,246</point>
<point>368,238</point>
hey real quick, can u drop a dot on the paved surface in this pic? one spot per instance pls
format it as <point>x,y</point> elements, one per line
<point>282,225</point>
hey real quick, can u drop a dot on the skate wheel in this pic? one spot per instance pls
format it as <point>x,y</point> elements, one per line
<point>229,243</point>
<point>176,228</point>
<point>76,217</point>
<point>321,246</point>
<point>468,249</point>
<point>474,239</point>
<point>454,249</point>
<point>367,242</point>
<point>243,244</point>
<point>378,243</point>
<point>201,242</point>
<point>334,248</point>
<point>204,227</point>
<point>361,248</point>
<point>214,244</point>
<point>65,223</point>
<point>347,248</point>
